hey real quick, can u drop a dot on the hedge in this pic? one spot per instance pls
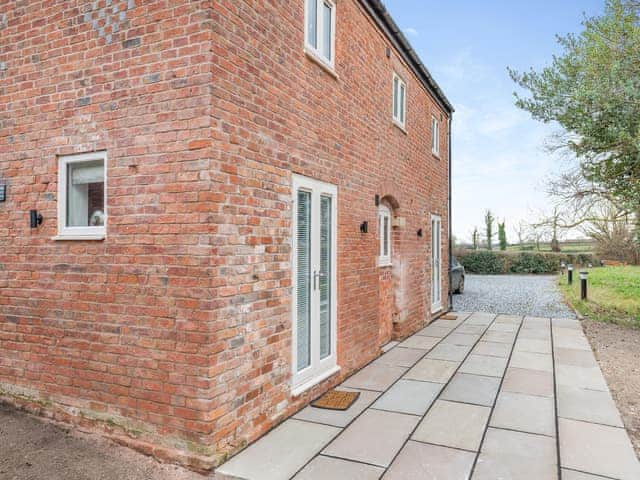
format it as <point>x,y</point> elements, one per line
<point>500,262</point>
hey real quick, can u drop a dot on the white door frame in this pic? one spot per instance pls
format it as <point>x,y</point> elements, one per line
<point>436,263</point>
<point>319,369</point>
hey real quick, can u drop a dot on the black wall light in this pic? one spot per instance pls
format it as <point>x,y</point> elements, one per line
<point>35,218</point>
<point>420,233</point>
<point>377,200</point>
<point>364,227</point>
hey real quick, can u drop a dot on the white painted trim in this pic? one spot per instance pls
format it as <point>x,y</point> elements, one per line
<point>297,391</point>
<point>319,368</point>
<point>78,233</point>
<point>316,53</point>
<point>436,303</point>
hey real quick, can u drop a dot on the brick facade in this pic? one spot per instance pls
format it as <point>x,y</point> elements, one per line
<point>173,334</point>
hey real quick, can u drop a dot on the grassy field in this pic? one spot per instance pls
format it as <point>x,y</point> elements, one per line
<point>614,295</point>
<point>569,246</point>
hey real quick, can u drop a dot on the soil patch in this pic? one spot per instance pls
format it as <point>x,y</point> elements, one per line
<point>33,449</point>
<point>617,349</point>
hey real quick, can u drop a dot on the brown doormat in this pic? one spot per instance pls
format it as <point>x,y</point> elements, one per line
<point>449,316</point>
<point>336,400</point>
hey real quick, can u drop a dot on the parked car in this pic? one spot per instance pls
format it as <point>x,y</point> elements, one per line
<point>457,276</point>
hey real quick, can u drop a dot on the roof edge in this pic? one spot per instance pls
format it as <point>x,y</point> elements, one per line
<point>380,14</point>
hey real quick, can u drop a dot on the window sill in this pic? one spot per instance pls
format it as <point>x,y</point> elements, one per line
<point>61,238</point>
<point>320,61</point>
<point>299,390</point>
<point>402,128</point>
<point>385,264</point>
<point>436,155</point>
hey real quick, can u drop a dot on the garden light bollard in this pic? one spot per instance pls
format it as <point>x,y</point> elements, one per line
<point>570,274</point>
<point>583,284</point>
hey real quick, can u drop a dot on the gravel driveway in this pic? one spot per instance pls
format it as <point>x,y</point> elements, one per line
<point>535,295</point>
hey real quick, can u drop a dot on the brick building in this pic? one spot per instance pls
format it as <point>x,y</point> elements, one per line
<point>241,202</point>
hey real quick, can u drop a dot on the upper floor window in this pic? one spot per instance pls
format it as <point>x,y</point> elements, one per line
<point>435,138</point>
<point>82,211</point>
<point>399,101</point>
<point>384,232</point>
<point>320,28</point>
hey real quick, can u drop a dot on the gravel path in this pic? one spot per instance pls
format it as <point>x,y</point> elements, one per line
<point>513,294</point>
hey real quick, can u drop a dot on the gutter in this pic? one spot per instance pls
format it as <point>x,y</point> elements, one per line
<point>379,13</point>
<point>450,211</point>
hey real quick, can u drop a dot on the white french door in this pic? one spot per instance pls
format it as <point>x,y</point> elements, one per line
<point>314,280</point>
<point>436,263</point>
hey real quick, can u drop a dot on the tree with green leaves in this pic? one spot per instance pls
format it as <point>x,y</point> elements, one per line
<point>502,235</point>
<point>592,90</point>
<point>488,225</point>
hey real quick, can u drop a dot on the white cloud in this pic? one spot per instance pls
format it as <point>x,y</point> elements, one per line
<point>412,32</point>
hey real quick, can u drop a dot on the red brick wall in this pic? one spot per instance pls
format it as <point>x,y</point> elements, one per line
<point>277,112</point>
<point>174,333</point>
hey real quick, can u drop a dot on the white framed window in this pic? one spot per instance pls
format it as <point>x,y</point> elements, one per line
<point>320,30</point>
<point>384,232</point>
<point>399,101</point>
<point>82,197</point>
<point>435,136</point>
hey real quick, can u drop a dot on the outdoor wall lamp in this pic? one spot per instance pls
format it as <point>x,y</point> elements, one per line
<point>35,218</point>
<point>420,233</point>
<point>364,227</point>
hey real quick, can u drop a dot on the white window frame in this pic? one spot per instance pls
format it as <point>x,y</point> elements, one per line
<point>317,52</point>
<point>78,233</point>
<point>319,369</point>
<point>399,117</point>
<point>384,258</point>
<point>435,136</point>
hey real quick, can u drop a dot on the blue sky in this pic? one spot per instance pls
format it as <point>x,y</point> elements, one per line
<point>499,157</point>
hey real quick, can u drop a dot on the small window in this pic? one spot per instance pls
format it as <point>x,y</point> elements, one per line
<point>82,211</point>
<point>384,232</point>
<point>435,139</point>
<point>399,101</point>
<point>320,29</point>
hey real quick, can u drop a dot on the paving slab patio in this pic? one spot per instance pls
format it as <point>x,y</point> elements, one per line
<point>478,398</point>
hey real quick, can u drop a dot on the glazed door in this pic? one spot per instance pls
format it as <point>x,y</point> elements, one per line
<point>314,280</point>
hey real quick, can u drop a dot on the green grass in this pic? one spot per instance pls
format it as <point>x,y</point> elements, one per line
<point>568,247</point>
<point>613,294</point>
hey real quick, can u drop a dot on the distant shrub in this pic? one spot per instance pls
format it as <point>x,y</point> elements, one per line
<point>483,262</point>
<point>493,262</point>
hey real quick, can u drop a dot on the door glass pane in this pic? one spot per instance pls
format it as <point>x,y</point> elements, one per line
<point>325,276</point>
<point>85,194</point>
<point>312,23</point>
<point>395,97</point>
<point>327,31</point>
<point>303,279</point>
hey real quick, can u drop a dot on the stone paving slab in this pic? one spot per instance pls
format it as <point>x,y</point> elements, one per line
<point>421,343</point>
<point>375,377</point>
<point>409,396</point>
<point>531,382</point>
<point>374,438</point>
<point>475,389</point>
<point>419,461</point>
<point>339,418</point>
<point>400,357</point>
<point>437,413</point>
<point>515,455</point>
<point>525,413</point>
<point>452,424</point>
<point>492,349</point>
<point>597,449</point>
<point>588,405</point>
<point>273,456</point>
<point>322,468</point>
<point>430,370</point>
<point>484,365</point>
